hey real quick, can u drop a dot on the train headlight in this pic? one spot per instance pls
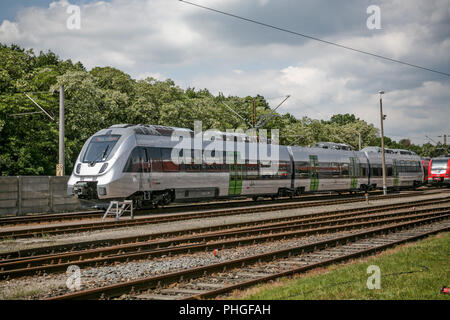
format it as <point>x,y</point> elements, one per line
<point>103,168</point>
<point>77,170</point>
<point>101,191</point>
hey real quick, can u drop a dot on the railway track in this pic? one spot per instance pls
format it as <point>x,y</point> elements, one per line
<point>174,208</point>
<point>125,242</point>
<point>230,235</point>
<point>99,225</point>
<point>219,278</point>
<point>209,241</point>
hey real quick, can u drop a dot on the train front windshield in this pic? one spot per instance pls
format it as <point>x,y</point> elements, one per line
<point>439,164</point>
<point>99,148</point>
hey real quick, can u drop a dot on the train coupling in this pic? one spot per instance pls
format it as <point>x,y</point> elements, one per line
<point>85,190</point>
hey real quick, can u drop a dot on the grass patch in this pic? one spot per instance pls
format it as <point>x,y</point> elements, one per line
<point>411,271</point>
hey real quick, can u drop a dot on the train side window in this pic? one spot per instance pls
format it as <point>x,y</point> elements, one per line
<point>302,169</point>
<point>155,159</point>
<point>324,170</point>
<point>192,166</point>
<point>363,167</point>
<point>335,170</point>
<point>376,171</point>
<point>283,169</point>
<point>168,164</point>
<point>344,170</point>
<point>252,170</point>
<point>145,165</point>
<point>134,162</point>
<point>389,171</point>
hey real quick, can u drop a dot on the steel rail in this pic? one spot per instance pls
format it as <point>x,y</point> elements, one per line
<point>53,252</point>
<point>302,269</point>
<point>83,227</point>
<point>51,217</point>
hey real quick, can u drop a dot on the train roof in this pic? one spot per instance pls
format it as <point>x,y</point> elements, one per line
<point>167,131</point>
<point>374,149</point>
<point>404,151</point>
<point>333,145</point>
<point>441,158</point>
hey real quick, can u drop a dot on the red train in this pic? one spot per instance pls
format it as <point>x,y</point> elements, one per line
<point>439,171</point>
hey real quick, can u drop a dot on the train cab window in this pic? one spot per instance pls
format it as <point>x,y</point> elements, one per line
<point>439,164</point>
<point>302,169</point>
<point>99,148</point>
<point>169,164</point>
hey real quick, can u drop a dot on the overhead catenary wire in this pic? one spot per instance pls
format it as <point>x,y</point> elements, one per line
<point>316,39</point>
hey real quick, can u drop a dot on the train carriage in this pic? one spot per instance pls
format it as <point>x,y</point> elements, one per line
<point>318,169</point>
<point>402,170</point>
<point>144,163</point>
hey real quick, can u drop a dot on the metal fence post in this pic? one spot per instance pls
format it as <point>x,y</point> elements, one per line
<point>50,194</point>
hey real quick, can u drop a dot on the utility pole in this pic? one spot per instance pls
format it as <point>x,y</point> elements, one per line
<point>444,136</point>
<point>60,167</point>
<point>383,161</point>
<point>254,113</point>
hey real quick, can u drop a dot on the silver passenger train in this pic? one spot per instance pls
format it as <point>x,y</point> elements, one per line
<point>137,162</point>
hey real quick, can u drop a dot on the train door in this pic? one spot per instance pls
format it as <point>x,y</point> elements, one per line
<point>354,172</point>
<point>145,182</point>
<point>313,173</point>
<point>236,173</point>
<point>395,169</point>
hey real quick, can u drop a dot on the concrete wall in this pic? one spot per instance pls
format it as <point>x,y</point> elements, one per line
<point>35,194</point>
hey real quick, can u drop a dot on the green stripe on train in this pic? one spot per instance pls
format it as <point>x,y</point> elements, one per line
<point>313,175</point>
<point>353,173</point>
<point>235,181</point>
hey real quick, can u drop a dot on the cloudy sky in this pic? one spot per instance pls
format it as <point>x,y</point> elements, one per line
<point>201,49</point>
